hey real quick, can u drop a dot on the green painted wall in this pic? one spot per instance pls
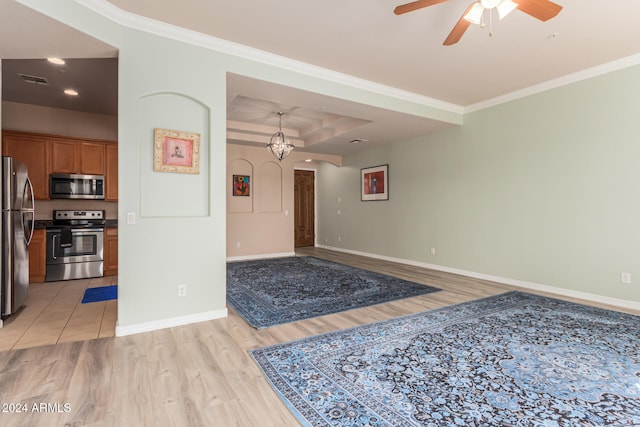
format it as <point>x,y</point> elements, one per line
<point>543,189</point>
<point>179,237</point>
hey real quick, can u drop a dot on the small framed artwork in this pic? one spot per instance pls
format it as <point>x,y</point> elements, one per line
<point>175,151</point>
<point>375,183</point>
<point>241,185</point>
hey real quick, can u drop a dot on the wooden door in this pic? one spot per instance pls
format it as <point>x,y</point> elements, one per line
<point>304,199</point>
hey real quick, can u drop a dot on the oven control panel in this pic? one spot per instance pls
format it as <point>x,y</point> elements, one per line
<point>62,215</point>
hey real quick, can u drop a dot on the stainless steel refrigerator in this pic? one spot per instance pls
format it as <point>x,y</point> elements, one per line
<point>17,231</point>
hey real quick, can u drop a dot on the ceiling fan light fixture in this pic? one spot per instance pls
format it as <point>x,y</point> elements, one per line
<point>279,145</point>
<point>542,10</point>
<point>475,14</point>
<point>505,7</point>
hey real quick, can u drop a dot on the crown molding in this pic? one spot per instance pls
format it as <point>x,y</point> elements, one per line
<point>128,19</point>
<point>152,26</point>
<point>588,73</point>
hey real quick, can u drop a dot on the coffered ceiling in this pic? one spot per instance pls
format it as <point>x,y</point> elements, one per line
<point>315,123</point>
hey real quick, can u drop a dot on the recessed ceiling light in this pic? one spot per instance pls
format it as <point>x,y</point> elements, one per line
<point>71,92</point>
<point>357,141</point>
<point>57,61</point>
<point>308,160</point>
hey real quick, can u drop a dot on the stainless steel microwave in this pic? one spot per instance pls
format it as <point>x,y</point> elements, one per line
<point>67,186</point>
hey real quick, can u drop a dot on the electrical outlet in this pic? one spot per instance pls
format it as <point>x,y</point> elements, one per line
<point>433,251</point>
<point>182,290</point>
<point>625,278</point>
<point>237,244</point>
<point>339,239</point>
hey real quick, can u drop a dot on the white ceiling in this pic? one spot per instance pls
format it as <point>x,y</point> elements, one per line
<point>366,40</point>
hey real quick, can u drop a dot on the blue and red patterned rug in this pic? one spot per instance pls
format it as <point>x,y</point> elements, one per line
<point>511,360</point>
<point>274,291</point>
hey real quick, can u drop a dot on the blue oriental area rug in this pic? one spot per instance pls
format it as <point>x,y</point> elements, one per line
<point>282,290</point>
<point>510,360</point>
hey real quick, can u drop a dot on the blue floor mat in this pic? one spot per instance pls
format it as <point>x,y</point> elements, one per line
<point>102,293</point>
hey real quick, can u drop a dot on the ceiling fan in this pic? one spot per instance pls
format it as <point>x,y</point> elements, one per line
<point>539,9</point>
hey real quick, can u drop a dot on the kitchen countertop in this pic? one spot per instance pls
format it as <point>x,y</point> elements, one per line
<point>42,224</point>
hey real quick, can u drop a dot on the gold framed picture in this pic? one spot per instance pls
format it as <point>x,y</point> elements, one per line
<point>176,151</point>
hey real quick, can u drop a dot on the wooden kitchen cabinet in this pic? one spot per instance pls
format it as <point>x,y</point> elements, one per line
<point>47,154</point>
<point>38,256</point>
<point>110,251</point>
<point>70,156</point>
<point>31,150</point>
<point>64,156</point>
<point>111,173</point>
<point>92,158</point>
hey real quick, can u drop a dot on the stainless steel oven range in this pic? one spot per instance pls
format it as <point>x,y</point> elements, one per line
<point>75,245</point>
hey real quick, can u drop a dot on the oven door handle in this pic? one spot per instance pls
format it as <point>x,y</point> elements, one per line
<point>54,247</point>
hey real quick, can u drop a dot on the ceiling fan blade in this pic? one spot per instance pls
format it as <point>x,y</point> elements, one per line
<point>419,4</point>
<point>458,30</point>
<point>540,9</point>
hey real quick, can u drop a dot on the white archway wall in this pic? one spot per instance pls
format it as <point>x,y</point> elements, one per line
<point>165,194</point>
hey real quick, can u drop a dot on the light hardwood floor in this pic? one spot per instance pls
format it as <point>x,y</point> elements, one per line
<point>54,314</point>
<point>194,375</point>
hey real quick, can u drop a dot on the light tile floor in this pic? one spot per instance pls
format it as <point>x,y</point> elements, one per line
<point>54,314</point>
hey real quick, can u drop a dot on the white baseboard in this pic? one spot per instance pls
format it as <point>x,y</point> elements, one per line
<point>260,256</point>
<point>504,280</point>
<point>122,331</point>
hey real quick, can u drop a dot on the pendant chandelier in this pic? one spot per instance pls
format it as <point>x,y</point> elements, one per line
<point>279,145</point>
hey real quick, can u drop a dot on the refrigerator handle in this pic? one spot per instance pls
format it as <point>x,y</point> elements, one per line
<point>33,226</point>
<point>28,188</point>
<point>33,215</point>
<point>27,240</point>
